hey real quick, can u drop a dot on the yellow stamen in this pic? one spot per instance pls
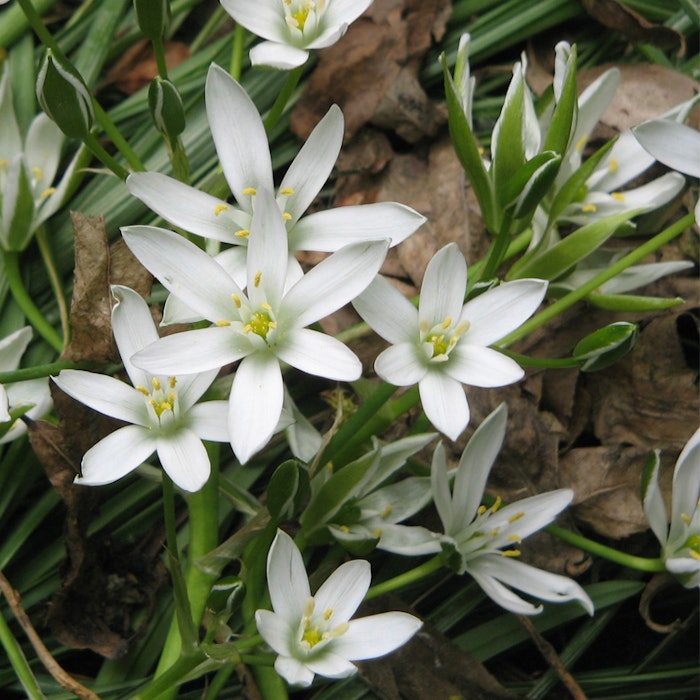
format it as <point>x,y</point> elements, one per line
<point>47,192</point>
<point>236,300</point>
<point>511,553</point>
<point>327,614</point>
<point>38,173</point>
<point>613,165</point>
<point>156,383</point>
<point>286,216</point>
<point>515,538</point>
<point>242,233</point>
<point>258,277</point>
<point>497,504</point>
<point>516,517</point>
<point>685,518</point>
<point>223,323</point>
<point>286,191</point>
<point>385,513</point>
<point>589,208</point>
<point>172,382</point>
<point>143,390</point>
<point>481,510</point>
<point>446,323</point>
<point>618,196</point>
<point>581,143</point>
<point>377,533</point>
<point>219,208</point>
<point>250,191</point>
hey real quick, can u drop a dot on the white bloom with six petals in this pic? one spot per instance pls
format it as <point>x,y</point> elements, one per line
<point>443,344</point>
<point>162,410</point>
<point>262,328</point>
<point>293,27</point>
<point>314,634</point>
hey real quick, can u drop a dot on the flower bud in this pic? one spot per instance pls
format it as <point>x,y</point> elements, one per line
<point>153,17</point>
<point>166,107</point>
<point>64,97</point>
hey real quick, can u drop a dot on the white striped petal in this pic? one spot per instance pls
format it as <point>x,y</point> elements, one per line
<point>444,403</point>
<point>479,366</point>
<point>209,420</point>
<point>277,55</point>
<point>444,284</point>
<point>184,459</point>
<point>401,365</point>
<point>286,578</point>
<point>343,591</point>
<point>376,635</point>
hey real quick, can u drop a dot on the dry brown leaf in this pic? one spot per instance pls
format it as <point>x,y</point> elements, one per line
<point>632,25</point>
<point>372,71</point>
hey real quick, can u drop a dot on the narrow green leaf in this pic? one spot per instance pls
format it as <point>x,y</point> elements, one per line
<point>531,183</point>
<point>605,346</point>
<point>632,302</point>
<point>564,117</point>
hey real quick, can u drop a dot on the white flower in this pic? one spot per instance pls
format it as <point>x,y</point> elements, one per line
<point>293,27</point>
<point>680,542</point>
<point>483,541</point>
<point>314,634</point>
<point>32,392</point>
<point>244,153</point>
<point>161,410</point>
<point>673,144</point>
<point>443,344</point>
<point>264,327</point>
<point>27,171</point>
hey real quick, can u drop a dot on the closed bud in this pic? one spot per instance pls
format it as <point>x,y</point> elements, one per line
<point>153,17</point>
<point>64,97</point>
<point>166,108</point>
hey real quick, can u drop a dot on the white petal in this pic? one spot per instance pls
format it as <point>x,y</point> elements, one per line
<point>673,144</point>
<point>495,590</point>
<point>626,161</point>
<point>238,132</point>
<point>345,11</point>
<point>376,635</point>
<point>499,311</point>
<point>330,665</point>
<point>116,455</point>
<point>286,579</point>
<point>133,328</point>
<point>193,351</point>
<point>312,165</point>
<point>443,288</point>
<point>185,459</point>
<point>333,282</point>
<point>686,485</point>
<point>42,150</point>
<point>388,312</point>
<point>536,582</point>
<point>687,569</point>
<point>332,229</point>
<point>185,206</point>
<point>255,404</point>
<point>476,462</point>
<point>104,394</point>
<point>478,366</point>
<point>408,540</point>
<point>12,348</point>
<point>4,405</point>
<point>264,17</point>
<point>293,671</point>
<point>401,365</point>
<point>209,420</point>
<point>653,502</point>
<point>343,591</point>
<point>276,631</point>
<point>444,403</point>
<point>185,271</point>
<point>441,490</point>
<point>319,354</point>
<point>276,55</point>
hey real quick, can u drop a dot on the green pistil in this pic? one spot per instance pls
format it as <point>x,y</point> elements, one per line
<point>312,636</point>
<point>260,323</point>
<point>439,343</point>
<point>693,544</point>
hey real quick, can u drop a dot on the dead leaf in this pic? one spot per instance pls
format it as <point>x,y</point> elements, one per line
<point>632,25</point>
<point>372,72</point>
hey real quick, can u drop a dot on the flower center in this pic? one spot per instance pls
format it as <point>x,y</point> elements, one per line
<point>260,323</point>
<point>317,628</point>
<point>296,13</point>
<point>442,337</point>
<point>693,544</point>
<point>162,401</point>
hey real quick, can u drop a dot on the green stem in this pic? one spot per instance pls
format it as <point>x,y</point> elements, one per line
<point>496,254</point>
<point>55,280</point>
<point>165,685</point>
<point>19,662</point>
<point>601,550</point>
<point>584,290</point>
<point>277,109</point>
<point>101,154</point>
<point>14,21</point>
<point>527,361</point>
<point>24,301</point>
<point>237,52</point>
<point>115,136</point>
<point>40,371</point>
<point>405,579</point>
<point>159,53</point>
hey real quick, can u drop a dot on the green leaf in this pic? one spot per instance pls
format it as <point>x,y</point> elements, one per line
<point>467,150</point>
<point>287,489</point>
<point>531,183</point>
<point>632,302</point>
<point>561,257</point>
<point>19,233</point>
<point>564,118</point>
<point>605,346</point>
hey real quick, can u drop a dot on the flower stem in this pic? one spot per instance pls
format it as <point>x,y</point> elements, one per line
<point>101,154</point>
<point>553,362</point>
<point>41,371</point>
<point>601,550</point>
<point>405,579</point>
<point>277,109</point>
<point>55,281</point>
<point>165,685</point>
<point>24,301</point>
<point>19,662</point>
<point>497,252</point>
<point>584,290</point>
<point>237,52</point>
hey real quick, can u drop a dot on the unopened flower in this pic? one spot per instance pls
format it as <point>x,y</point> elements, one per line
<point>293,27</point>
<point>32,393</point>
<point>314,634</point>
<point>484,541</point>
<point>680,541</point>
<point>244,153</point>
<point>263,327</point>
<point>444,343</point>
<point>162,411</point>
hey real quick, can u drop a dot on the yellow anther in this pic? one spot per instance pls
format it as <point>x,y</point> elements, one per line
<point>515,538</point>
<point>511,552</point>
<point>223,323</point>
<point>286,216</point>
<point>462,328</point>
<point>497,504</point>
<point>143,390</point>
<point>618,196</point>
<point>589,208</point>
<point>172,382</point>
<point>242,233</point>
<point>613,165</point>
<point>339,630</point>
<point>250,191</point>
<point>694,554</point>
<point>377,533</point>
<point>4,163</point>
<point>309,605</point>
<point>481,510</point>
<point>345,528</point>
<point>172,397</point>
<point>219,208</point>
<point>311,636</point>
<point>156,383</point>
<point>387,510</point>
<point>581,143</point>
<point>236,300</point>
<point>685,518</point>
<point>423,327</point>
<point>446,323</point>
<point>267,307</point>
<point>47,192</point>
<point>516,517</point>
<point>258,277</point>
<point>286,191</point>
<point>327,614</point>
<point>38,173</point>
